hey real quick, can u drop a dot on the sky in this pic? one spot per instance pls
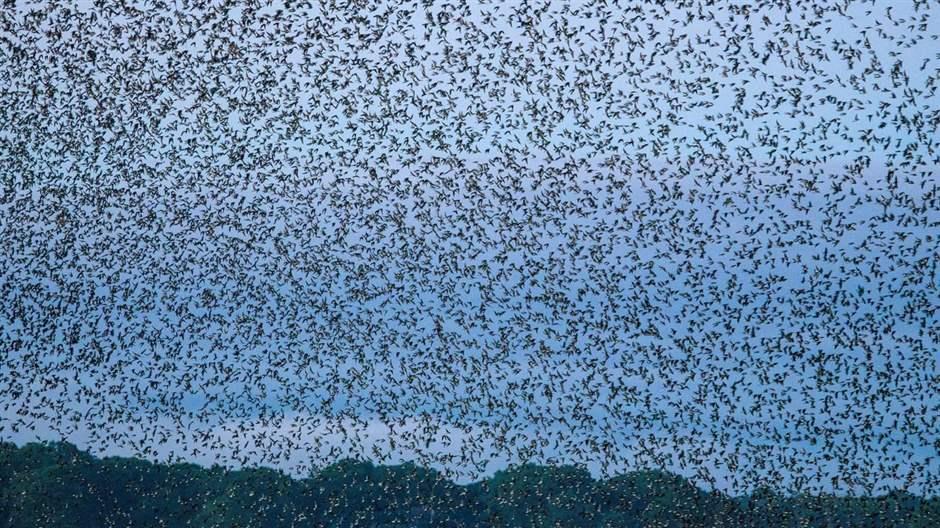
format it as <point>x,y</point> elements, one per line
<point>616,236</point>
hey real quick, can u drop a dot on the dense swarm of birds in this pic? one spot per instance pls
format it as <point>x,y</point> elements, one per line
<point>695,235</point>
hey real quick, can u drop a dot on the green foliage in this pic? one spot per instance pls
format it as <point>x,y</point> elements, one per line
<point>531,495</point>
<point>56,485</point>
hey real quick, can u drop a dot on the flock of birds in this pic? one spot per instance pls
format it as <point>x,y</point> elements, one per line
<point>695,235</point>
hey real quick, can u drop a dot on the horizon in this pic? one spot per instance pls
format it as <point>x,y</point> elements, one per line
<point>513,468</point>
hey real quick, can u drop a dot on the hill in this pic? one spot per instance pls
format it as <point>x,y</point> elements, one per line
<point>57,485</point>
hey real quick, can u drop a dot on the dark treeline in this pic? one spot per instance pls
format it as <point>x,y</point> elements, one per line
<point>58,485</point>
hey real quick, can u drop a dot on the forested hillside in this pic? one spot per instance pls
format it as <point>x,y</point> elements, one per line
<point>58,485</point>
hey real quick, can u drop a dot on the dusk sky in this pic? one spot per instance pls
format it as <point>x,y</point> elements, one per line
<point>703,238</point>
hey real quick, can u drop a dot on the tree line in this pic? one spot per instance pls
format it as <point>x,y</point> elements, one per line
<point>58,485</point>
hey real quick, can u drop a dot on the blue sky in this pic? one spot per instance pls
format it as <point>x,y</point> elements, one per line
<point>212,231</point>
